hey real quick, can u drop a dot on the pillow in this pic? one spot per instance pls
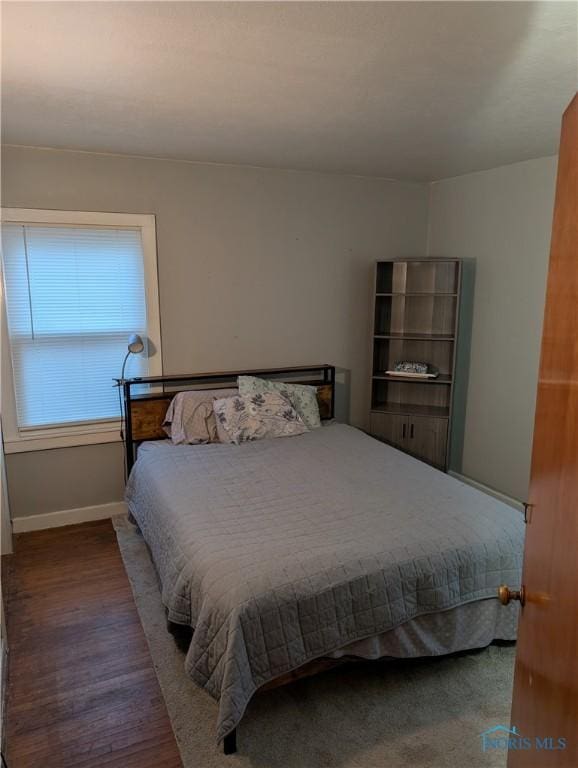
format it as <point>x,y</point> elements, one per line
<point>190,417</point>
<point>302,397</point>
<point>257,416</point>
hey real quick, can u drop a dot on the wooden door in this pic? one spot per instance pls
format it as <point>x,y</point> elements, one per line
<point>545,701</point>
<point>427,439</point>
<point>391,427</point>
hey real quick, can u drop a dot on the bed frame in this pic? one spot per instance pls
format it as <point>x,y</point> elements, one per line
<point>182,636</point>
<point>144,413</point>
<point>143,420</point>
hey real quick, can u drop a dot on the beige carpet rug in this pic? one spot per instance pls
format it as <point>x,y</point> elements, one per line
<point>407,714</point>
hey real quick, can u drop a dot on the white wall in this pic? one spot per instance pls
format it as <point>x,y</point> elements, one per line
<point>261,267</point>
<point>502,218</point>
<point>257,268</point>
<point>5,527</point>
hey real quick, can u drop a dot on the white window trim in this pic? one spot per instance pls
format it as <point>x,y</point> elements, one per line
<point>21,441</point>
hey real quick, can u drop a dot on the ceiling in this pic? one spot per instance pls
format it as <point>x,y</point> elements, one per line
<point>406,90</point>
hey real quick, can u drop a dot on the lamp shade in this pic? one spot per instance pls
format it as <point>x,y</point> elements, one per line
<point>135,344</point>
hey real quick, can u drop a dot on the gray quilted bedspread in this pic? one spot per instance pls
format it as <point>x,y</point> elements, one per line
<point>281,551</point>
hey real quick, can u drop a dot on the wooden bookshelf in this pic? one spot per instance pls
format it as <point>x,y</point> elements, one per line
<point>419,315</point>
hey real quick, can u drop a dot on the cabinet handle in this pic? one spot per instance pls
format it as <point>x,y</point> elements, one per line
<point>411,432</point>
<point>403,431</point>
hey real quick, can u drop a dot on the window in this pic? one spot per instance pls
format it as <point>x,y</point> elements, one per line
<point>76,286</point>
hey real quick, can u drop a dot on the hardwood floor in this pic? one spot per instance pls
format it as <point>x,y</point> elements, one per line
<point>82,691</point>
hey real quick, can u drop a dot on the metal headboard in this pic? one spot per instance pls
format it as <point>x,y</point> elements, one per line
<point>144,413</point>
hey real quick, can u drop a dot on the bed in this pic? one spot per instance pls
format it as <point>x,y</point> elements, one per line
<point>283,554</point>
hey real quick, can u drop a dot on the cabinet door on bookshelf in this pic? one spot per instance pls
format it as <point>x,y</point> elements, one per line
<point>427,439</point>
<point>390,427</point>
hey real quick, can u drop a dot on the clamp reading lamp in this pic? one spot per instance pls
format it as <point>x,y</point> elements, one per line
<point>135,346</point>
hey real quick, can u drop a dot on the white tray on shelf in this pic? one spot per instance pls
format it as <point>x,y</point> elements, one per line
<point>407,375</point>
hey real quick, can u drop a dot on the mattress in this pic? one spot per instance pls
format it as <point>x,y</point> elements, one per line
<point>281,551</point>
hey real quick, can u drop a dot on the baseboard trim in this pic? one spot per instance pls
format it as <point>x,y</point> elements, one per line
<point>490,491</point>
<point>67,517</point>
<point>3,685</point>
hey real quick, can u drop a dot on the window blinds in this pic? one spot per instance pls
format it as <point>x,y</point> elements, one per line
<point>74,294</point>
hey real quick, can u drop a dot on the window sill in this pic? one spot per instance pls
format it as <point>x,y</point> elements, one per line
<point>47,442</point>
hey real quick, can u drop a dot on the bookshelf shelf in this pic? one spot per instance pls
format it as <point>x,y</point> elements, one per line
<point>423,294</point>
<point>439,380</point>
<point>411,409</point>
<point>417,336</point>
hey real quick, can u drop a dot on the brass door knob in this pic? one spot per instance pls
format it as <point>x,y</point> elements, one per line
<point>506,594</point>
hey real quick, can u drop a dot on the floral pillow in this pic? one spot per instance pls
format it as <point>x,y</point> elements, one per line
<point>303,397</point>
<point>255,417</point>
